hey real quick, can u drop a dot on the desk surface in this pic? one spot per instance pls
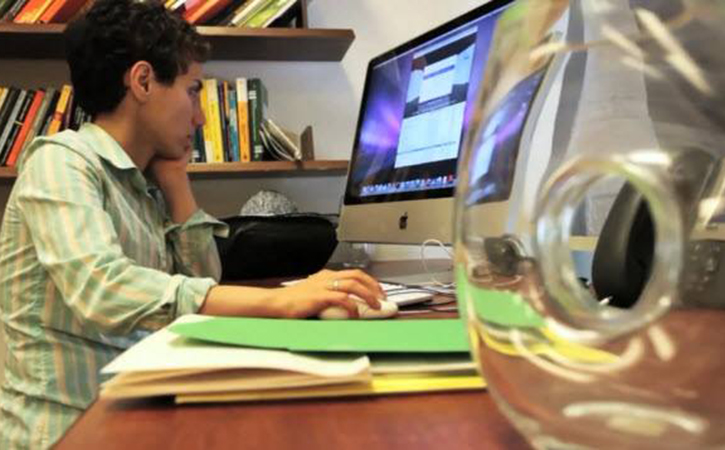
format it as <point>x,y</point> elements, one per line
<point>412,421</point>
<point>422,421</point>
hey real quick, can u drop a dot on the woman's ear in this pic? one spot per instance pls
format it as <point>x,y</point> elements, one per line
<point>139,79</point>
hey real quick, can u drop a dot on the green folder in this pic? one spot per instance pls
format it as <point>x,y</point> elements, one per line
<point>389,336</point>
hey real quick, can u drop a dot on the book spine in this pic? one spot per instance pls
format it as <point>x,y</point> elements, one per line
<point>281,10</point>
<point>24,127</point>
<point>14,10</point>
<point>233,123</point>
<point>15,125</point>
<point>49,114</point>
<point>9,121</point>
<point>199,151</point>
<point>222,90</point>
<point>5,5</point>
<point>264,15</point>
<point>61,10</point>
<point>255,118</point>
<point>57,122</point>
<point>245,152</point>
<point>206,129</point>
<point>3,95</point>
<point>39,117</point>
<point>248,10</point>
<point>214,120</point>
<point>32,11</point>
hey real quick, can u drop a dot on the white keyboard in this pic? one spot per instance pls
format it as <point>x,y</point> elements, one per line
<point>403,295</point>
<point>399,294</point>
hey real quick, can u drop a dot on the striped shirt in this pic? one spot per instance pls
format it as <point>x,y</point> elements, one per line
<point>89,263</point>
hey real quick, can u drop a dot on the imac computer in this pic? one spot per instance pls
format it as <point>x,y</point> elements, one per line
<point>504,172</point>
<point>416,108</point>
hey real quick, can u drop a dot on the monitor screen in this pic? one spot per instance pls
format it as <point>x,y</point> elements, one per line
<point>417,104</point>
<point>493,161</point>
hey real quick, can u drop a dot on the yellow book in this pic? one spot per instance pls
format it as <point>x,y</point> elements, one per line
<point>206,129</point>
<point>245,151</point>
<point>380,385</point>
<point>57,120</point>
<point>214,119</point>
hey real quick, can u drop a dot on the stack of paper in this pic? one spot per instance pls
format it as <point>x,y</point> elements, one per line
<point>203,359</point>
<point>165,363</point>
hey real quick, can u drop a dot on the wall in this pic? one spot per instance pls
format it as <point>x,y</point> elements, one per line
<point>324,95</point>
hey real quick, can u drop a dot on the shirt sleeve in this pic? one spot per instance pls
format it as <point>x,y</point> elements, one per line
<point>60,197</point>
<point>193,246</point>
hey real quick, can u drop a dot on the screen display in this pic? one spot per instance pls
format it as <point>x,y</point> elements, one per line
<point>417,105</point>
<point>494,159</point>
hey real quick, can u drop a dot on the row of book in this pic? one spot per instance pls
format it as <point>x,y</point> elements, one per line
<point>27,113</point>
<point>237,128</point>
<point>39,11</point>
<point>237,13</point>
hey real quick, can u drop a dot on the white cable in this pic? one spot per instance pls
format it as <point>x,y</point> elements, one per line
<point>425,265</point>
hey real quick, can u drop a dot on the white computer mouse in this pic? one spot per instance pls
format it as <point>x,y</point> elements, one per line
<point>387,309</point>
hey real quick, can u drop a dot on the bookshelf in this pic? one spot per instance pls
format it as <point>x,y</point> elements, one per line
<point>255,168</point>
<point>301,43</point>
<point>44,41</point>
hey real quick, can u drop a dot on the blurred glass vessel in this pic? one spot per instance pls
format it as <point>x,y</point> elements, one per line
<point>590,223</point>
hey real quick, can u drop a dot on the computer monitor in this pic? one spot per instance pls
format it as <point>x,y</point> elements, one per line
<point>501,179</point>
<point>417,105</point>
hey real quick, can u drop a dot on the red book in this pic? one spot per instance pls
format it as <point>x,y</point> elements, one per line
<point>61,10</point>
<point>205,11</point>
<point>27,124</point>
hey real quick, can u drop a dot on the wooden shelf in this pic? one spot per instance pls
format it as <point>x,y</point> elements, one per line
<point>219,170</point>
<point>32,41</point>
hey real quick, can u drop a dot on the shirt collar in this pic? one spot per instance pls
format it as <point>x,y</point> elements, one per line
<point>105,146</point>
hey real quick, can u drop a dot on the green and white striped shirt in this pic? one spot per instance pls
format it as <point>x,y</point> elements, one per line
<point>89,263</point>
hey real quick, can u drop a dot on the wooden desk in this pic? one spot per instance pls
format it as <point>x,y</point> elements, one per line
<point>423,421</point>
<point>458,420</point>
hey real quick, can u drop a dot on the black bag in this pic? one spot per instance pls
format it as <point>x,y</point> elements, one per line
<point>287,245</point>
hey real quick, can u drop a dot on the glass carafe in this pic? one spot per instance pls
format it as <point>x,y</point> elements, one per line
<point>590,223</point>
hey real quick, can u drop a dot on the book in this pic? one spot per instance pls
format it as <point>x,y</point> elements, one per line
<point>282,140</point>
<point>258,100</point>
<point>269,13</point>
<point>60,109</point>
<point>245,152</point>
<point>24,128</point>
<point>206,128</point>
<point>40,117</point>
<point>8,123</point>
<point>5,6</point>
<point>247,10</point>
<point>224,17</point>
<point>3,94</point>
<point>214,120</point>
<point>205,11</point>
<point>32,11</point>
<point>49,113</point>
<point>379,385</point>
<point>167,364</point>
<point>61,11</point>
<point>7,108</point>
<point>14,10</point>
<point>223,95</point>
<point>233,122</point>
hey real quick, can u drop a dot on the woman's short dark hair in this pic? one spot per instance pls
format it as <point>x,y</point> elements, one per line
<point>115,34</point>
